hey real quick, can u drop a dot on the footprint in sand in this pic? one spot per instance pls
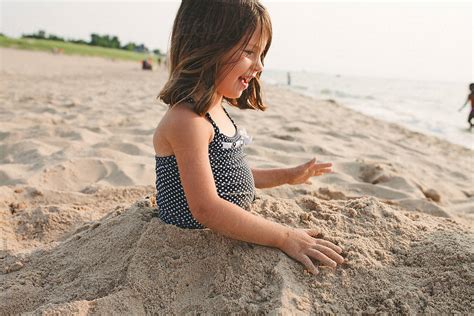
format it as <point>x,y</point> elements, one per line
<point>293,129</point>
<point>284,137</point>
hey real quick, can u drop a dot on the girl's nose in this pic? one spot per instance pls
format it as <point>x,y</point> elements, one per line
<point>259,65</point>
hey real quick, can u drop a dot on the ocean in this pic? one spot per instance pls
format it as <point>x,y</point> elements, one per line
<point>427,107</point>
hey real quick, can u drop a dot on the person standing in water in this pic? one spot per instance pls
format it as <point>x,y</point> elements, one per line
<point>470,97</point>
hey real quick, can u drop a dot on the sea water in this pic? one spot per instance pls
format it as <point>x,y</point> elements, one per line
<point>427,107</point>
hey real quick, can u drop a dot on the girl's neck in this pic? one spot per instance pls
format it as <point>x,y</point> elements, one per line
<point>216,102</point>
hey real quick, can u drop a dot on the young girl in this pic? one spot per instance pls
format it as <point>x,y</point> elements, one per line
<point>202,178</point>
<point>470,97</point>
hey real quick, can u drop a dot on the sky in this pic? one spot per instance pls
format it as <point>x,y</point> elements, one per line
<point>421,40</point>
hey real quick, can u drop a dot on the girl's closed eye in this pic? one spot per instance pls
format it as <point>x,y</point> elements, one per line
<point>249,52</point>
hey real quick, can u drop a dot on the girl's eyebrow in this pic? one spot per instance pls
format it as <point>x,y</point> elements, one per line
<point>254,45</point>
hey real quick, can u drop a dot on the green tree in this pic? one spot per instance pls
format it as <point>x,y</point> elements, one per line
<point>55,38</point>
<point>40,35</point>
<point>129,46</point>
<point>104,41</point>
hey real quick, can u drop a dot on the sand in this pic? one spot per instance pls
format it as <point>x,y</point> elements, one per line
<point>78,233</point>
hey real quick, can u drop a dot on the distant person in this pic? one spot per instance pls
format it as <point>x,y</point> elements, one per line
<point>146,64</point>
<point>57,51</point>
<point>470,97</point>
<point>158,61</point>
<point>288,78</point>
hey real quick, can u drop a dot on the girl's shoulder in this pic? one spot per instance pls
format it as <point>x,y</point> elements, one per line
<point>182,121</point>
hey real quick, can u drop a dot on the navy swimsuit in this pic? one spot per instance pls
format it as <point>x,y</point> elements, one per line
<point>232,176</point>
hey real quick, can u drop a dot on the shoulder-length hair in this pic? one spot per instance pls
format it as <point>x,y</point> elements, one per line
<point>203,32</point>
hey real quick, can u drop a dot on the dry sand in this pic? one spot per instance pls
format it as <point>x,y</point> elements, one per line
<point>78,235</point>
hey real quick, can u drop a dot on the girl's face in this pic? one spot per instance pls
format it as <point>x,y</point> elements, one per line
<point>245,68</point>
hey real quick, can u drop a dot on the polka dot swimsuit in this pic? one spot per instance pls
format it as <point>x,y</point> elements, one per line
<point>232,176</point>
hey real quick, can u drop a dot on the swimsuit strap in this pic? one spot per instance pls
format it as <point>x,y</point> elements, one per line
<point>229,117</point>
<point>214,123</point>
<point>191,100</point>
<point>216,128</point>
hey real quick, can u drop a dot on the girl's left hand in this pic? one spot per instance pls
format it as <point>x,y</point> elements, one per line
<point>301,174</point>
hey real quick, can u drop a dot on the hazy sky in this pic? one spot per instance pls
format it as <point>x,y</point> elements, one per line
<point>417,39</point>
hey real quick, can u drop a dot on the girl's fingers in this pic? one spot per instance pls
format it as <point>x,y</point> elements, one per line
<point>330,253</point>
<point>309,164</point>
<point>321,257</point>
<point>329,245</point>
<point>323,165</point>
<point>306,261</point>
<point>320,172</point>
<point>325,170</point>
<point>323,251</point>
<point>319,167</point>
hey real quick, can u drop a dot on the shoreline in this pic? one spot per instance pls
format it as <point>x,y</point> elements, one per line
<point>399,125</point>
<point>360,99</point>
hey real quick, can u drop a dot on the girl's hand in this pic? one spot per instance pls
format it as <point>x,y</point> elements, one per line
<point>301,245</point>
<point>301,174</point>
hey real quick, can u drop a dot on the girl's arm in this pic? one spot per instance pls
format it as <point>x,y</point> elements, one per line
<point>268,178</point>
<point>190,146</point>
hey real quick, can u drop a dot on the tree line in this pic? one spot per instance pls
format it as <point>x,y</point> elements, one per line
<point>108,41</point>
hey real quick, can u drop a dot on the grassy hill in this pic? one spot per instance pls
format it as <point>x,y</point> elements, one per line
<point>70,48</point>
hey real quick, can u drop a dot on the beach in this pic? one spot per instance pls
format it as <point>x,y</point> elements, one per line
<point>78,234</point>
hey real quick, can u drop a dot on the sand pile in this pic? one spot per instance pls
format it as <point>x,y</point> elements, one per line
<point>32,219</point>
<point>130,262</point>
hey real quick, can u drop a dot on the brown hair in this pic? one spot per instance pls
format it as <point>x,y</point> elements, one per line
<point>203,32</point>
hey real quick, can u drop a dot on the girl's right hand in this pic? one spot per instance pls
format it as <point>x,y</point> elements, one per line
<point>301,245</point>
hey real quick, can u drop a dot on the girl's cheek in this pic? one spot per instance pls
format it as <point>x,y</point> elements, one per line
<point>248,61</point>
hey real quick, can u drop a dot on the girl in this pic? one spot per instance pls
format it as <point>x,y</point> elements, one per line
<point>202,178</point>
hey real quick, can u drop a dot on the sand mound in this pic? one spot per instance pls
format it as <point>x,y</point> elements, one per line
<point>32,218</point>
<point>131,262</point>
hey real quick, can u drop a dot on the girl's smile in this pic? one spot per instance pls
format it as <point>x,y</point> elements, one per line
<point>245,81</point>
<point>243,69</point>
